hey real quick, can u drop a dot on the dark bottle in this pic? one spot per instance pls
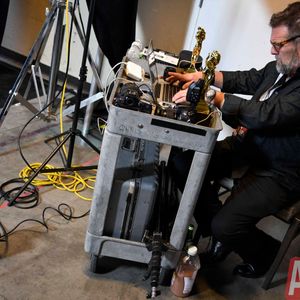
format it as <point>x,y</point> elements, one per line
<point>189,237</point>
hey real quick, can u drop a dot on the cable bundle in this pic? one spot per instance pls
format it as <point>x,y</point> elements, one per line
<point>71,182</point>
<point>28,199</point>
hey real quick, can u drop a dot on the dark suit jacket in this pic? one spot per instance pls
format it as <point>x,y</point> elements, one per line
<point>272,142</point>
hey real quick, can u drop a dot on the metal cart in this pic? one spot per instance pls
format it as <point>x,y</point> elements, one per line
<point>147,127</point>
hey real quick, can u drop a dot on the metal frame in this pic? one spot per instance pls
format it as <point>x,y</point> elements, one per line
<point>123,122</point>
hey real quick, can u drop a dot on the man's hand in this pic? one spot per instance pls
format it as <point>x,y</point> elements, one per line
<point>188,78</point>
<point>180,97</point>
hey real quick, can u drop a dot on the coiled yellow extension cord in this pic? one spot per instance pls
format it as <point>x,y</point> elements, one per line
<point>74,182</point>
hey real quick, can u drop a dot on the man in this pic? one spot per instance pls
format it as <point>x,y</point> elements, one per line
<point>267,142</point>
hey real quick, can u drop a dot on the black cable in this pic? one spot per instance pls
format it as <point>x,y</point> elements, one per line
<point>66,215</point>
<point>25,201</point>
<point>22,130</point>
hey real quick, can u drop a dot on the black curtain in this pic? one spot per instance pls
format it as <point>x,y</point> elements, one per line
<point>3,16</point>
<point>114,26</point>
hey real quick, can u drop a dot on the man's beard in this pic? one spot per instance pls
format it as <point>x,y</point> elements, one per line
<point>288,68</point>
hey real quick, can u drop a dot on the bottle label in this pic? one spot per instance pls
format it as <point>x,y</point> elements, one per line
<point>173,278</point>
<point>188,283</point>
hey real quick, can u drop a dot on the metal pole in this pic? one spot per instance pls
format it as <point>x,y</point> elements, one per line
<point>93,91</point>
<point>83,71</point>
<point>38,45</point>
<point>56,53</point>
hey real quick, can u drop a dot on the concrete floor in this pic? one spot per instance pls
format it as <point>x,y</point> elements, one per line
<point>52,264</point>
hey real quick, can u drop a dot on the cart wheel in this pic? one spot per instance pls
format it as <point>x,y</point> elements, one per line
<point>94,263</point>
<point>165,276</point>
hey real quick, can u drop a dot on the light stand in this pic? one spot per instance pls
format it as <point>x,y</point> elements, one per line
<point>73,132</point>
<point>34,54</point>
<point>55,13</point>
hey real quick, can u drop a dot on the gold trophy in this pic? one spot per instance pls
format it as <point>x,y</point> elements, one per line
<point>211,62</point>
<point>200,36</point>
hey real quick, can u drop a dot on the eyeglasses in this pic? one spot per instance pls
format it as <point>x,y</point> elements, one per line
<point>278,45</point>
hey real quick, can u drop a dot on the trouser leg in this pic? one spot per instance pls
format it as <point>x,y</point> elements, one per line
<point>235,224</point>
<point>208,203</point>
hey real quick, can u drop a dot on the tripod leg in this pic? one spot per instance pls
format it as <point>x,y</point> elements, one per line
<point>35,174</point>
<point>88,142</point>
<point>57,139</point>
<point>56,54</point>
<point>33,52</point>
<point>93,91</point>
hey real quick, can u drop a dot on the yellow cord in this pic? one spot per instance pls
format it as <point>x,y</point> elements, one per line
<point>62,102</point>
<point>74,182</point>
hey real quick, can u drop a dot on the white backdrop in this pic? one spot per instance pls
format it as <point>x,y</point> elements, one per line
<point>238,29</point>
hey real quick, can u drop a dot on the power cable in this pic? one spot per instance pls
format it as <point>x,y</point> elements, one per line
<point>63,209</point>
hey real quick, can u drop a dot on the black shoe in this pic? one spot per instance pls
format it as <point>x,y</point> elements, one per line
<point>217,253</point>
<point>249,271</point>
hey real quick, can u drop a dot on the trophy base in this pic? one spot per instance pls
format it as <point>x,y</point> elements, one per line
<point>201,119</point>
<point>186,114</point>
